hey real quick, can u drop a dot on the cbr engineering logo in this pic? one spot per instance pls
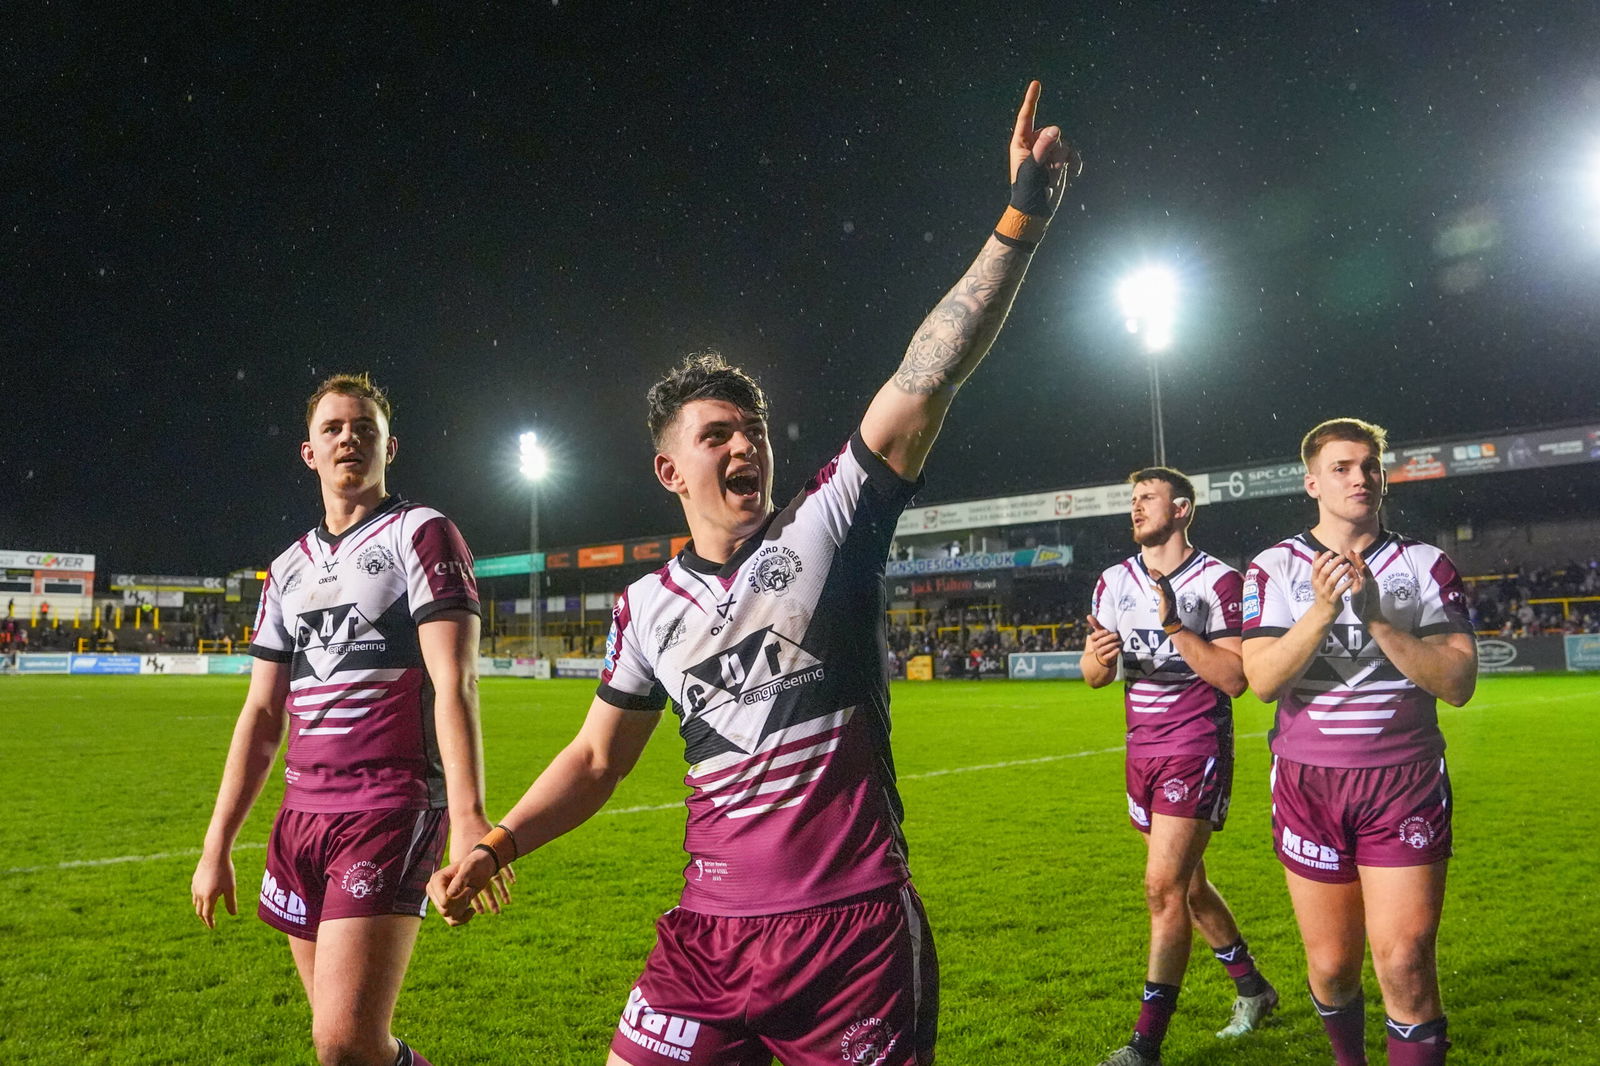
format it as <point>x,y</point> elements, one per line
<point>326,635</point>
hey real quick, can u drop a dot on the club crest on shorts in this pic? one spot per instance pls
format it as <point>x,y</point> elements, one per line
<point>375,560</point>
<point>866,1042</point>
<point>363,879</point>
<point>1403,587</point>
<point>1416,831</point>
<point>1175,789</point>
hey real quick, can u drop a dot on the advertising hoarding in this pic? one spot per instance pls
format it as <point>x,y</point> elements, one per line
<point>105,664</point>
<point>1525,656</point>
<point>1044,666</point>
<point>173,664</point>
<point>1024,558</point>
<point>579,667</point>
<point>44,664</point>
<point>1583,651</point>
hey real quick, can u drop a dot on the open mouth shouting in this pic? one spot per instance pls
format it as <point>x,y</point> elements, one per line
<point>744,482</point>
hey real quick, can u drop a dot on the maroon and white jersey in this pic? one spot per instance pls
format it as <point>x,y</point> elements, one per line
<point>1171,709</point>
<point>1352,707</point>
<point>344,612</point>
<point>774,665</point>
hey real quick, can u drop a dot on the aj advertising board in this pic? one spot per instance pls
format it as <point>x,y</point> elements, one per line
<point>1044,666</point>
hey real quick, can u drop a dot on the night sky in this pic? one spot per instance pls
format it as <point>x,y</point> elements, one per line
<point>517,215</point>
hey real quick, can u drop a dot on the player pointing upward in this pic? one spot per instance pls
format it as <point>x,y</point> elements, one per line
<point>1170,615</point>
<point>1357,632</point>
<point>799,935</point>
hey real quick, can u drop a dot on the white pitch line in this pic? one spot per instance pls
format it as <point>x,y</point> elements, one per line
<point>80,863</point>
<point>924,774</point>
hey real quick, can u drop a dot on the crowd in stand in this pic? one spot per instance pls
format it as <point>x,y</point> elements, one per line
<point>963,641</point>
<point>1509,604</point>
<point>973,642</point>
<point>181,630</point>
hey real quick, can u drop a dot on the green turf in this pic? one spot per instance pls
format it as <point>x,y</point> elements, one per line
<point>1030,873</point>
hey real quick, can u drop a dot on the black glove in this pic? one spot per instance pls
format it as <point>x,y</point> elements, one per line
<point>1170,623</point>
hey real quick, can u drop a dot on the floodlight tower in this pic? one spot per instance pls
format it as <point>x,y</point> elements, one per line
<point>535,465</point>
<point>1149,298</point>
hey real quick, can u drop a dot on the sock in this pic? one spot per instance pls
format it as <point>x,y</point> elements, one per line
<point>1241,966</point>
<point>407,1056</point>
<point>1344,1025</point>
<point>1423,1044</point>
<point>1154,1015</point>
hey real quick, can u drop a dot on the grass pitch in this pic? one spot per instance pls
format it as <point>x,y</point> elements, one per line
<point>1020,847</point>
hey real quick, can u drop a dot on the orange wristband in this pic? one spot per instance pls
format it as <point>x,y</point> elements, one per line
<point>1018,228</point>
<point>497,838</point>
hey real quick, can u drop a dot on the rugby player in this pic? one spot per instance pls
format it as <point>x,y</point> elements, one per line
<point>366,648</point>
<point>799,935</point>
<point>1169,614</point>
<point>1357,632</point>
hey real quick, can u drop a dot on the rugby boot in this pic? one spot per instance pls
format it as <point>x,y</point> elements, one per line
<point>1249,1012</point>
<point>1129,1056</point>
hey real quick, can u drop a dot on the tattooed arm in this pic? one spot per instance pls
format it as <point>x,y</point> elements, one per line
<point>904,418</point>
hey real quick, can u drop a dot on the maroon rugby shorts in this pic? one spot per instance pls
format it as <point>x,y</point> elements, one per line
<point>855,981</point>
<point>1327,820</point>
<point>355,864</point>
<point>1183,786</point>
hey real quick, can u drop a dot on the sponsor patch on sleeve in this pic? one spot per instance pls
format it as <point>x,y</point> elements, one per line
<point>1251,604</point>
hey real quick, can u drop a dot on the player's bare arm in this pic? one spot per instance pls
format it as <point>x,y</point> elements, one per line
<point>905,416</point>
<point>1218,661</point>
<point>575,785</point>
<point>1272,663</point>
<point>1101,653</point>
<point>255,743</point>
<point>449,645</point>
<point>1445,665</point>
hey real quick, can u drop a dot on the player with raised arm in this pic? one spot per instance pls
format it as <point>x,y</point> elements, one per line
<point>366,647</point>
<point>1357,632</point>
<point>1169,615</point>
<point>799,935</point>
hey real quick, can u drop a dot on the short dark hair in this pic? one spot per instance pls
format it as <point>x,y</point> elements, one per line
<point>701,376</point>
<point>1181,485</point>
<point>1350,429</point>
<point>359,385</point>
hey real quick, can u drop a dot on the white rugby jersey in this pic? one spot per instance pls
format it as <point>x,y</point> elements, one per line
<point>774,663</point>
<point>344,611</point>
<point>1352,707</point>
<point>1171,710</point>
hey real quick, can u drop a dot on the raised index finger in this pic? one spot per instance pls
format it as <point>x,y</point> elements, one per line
<point>1022,135</point>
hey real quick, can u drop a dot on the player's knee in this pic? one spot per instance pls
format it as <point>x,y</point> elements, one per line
<point>1201,898</point>
<point>1335,975</point>
<point>1408,966</point>
<point>1166,898</point>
